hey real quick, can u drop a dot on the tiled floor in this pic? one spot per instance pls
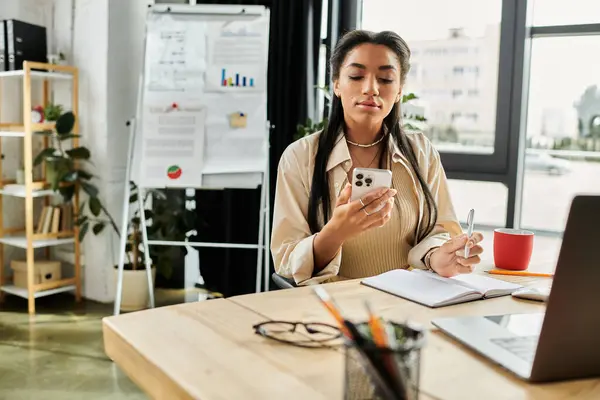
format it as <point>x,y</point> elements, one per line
<point>59,354</point>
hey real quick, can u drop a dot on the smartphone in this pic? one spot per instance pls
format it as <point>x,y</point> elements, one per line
<point>367,180</point>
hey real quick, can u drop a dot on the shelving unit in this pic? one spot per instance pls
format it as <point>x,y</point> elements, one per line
<point>26,238</point>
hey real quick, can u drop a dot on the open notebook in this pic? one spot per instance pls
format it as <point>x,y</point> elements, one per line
<point>432,290</point>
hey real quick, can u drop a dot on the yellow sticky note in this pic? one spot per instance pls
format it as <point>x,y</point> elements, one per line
<point>238,120</point>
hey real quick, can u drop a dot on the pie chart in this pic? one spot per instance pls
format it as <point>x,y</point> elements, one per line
<point>174,172</point>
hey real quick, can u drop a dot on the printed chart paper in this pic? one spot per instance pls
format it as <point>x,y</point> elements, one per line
<point>236,61</point>
<point>175,57</point>
<point>173,147</point>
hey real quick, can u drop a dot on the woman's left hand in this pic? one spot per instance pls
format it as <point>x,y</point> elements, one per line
<point>449,259</point>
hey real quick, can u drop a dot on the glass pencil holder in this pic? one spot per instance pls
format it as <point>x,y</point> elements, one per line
<point>390,373</point>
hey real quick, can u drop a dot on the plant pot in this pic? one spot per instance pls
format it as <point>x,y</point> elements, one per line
<point>135,295</point>
<point>51,173</point>
<point>55,169</point>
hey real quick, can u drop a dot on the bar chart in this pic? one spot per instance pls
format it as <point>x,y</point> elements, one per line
<point>236,79</point>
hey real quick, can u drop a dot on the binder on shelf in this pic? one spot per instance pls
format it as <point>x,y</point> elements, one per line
<point>3,53</point>
<point>24,42</point>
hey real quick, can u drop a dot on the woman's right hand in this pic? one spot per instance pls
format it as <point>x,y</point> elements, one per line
<point>350,218</point>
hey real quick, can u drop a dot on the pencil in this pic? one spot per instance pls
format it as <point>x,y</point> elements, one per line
<point>333,310</point>
<point>519,273</point>
<point>376,328</point>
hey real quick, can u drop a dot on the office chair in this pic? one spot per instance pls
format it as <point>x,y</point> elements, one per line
<point>283,282</point>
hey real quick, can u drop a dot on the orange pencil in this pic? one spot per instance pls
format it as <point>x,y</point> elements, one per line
<point>519,273</point>
<point>376,328</point>
<point>329,305</point>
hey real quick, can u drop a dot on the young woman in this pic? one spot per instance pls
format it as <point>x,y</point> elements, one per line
<point>318,233</point>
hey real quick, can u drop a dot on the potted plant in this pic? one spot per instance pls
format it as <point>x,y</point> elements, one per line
<point>66,172</point>
<point>167,220</point>
<point>309,126</point>
<point>52,111</point>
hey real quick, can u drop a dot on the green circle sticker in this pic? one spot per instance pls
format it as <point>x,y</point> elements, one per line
<point>174,172</point>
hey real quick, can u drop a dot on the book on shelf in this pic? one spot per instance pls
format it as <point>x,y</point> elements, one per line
<point>55,219</point>
<point>433,290</point>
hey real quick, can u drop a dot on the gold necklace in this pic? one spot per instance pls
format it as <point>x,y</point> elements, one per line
<point>375,143</point>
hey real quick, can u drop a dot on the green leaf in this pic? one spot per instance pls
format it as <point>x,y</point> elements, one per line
<point>90,189</point>
<point>68,136</point>
<point>95,206</point>
<point>67,193</point>
<point>82,220</point>
<point>98,228</point>
<point>65,123</point>
<point>133,198</point>
<point>408,97</point>
<point>81,208</point>
<point>80,153</point>
<point>84,174</point>
<point>43,155</point>
<point>149,214</point>
<point>83,230</point>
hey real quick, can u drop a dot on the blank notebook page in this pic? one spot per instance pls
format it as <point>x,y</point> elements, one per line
<point>417,287</point>
<point>487,285</point>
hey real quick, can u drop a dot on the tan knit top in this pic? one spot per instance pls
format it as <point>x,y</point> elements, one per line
<point>377,250</point>
<point>388,246</point>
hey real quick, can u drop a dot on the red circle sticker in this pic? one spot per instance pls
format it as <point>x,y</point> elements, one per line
<point>174,172</point>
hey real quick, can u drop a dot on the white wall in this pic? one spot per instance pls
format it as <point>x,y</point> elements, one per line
<point>107,40</point>
<point>107,49</point>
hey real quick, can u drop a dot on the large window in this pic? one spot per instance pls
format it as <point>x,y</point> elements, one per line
<point>563,123</point>
<point>455,53</point>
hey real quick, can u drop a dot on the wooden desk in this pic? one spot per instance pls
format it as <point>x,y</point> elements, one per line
<point>208,350</point>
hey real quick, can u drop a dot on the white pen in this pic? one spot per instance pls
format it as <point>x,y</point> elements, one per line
<point>470,220</point>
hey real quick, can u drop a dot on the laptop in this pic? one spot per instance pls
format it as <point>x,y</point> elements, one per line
<point>563,342</point>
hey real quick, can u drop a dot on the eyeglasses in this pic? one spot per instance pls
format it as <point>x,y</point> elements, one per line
<point>302,334</point>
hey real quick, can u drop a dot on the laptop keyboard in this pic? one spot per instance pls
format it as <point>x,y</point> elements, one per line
<point>521,346</point>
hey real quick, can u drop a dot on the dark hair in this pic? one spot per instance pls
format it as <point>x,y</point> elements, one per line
<point>319,192</point>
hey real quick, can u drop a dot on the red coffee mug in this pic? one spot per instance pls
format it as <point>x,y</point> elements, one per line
<point>512,248</point>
